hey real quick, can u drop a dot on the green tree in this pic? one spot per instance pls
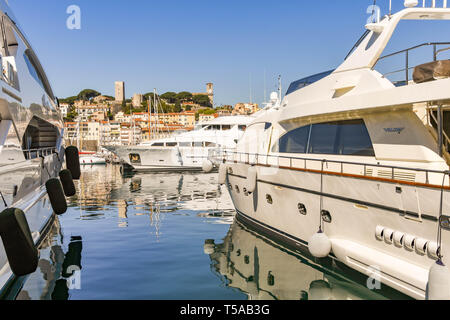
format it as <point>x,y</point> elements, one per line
<point>185,96</point>
<point>88,94</point>
<point>69,100</point>
<point>170,97</point>
<point>71,115</point>
<point>202,100</point>
<point>177,107</point>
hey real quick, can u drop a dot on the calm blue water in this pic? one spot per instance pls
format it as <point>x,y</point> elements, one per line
<point>143,237</point>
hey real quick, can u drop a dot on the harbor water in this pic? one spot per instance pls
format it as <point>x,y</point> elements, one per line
<point>174,236</point>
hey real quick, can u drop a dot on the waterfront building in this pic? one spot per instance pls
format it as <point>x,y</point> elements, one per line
<point>187,119</point>
<point>88,112</point>
<point>130,134</point>
<point>64,108</point>
<point>245,109</point>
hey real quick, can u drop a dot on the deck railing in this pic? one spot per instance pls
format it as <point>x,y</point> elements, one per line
<point>406,175</point>
<point>437,49</point>
<point>36,153</point>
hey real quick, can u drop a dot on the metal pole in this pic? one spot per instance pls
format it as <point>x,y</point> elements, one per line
<point>407,67</point>
<point>440,130</point>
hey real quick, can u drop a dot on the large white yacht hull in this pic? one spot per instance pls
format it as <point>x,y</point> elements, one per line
<point>357,207</point>
<point>31,197</point>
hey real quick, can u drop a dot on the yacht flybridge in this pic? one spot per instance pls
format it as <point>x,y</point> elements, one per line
<point>354,166</point>
<point>186,151</point>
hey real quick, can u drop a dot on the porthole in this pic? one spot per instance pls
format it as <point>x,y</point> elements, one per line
<point>303,295</point>
<point>237,189</point>
<point>326,216</point>
<point>270,279</point>
<point>269,199</point>
<point>302,209</point>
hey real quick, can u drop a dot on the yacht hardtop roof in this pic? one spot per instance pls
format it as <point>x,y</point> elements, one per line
<point>355,86</point>
<point>230,120</point>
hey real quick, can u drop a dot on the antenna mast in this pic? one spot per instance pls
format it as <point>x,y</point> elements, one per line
<point>279,88</point>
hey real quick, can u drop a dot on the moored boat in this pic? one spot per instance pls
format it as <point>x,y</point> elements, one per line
<point>186,151</point>
<point>354,165</point>
<point>31,156</point>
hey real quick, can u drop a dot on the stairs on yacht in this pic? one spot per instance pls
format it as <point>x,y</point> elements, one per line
<point>432,124</point>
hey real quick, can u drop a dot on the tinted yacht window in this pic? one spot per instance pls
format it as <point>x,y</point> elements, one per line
<point>354,139</point>
<point>295,141</point>
<point>338,138</point>
<point>342,138</point>
<point>323,138</point>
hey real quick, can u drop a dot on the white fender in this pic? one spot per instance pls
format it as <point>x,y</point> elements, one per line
<point>222,174</point>
<point>207,166</point>
<point>433,250</point>
<point>319,245</point>
<point>421,246</point>
<point>252,177</point>
<point>379,233</point>
<point>398,238</point>
<point>438,282</point>
<point>388,236</point>
<point>409,242</point>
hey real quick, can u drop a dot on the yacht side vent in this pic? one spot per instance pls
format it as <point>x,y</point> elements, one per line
<point>397,175</point>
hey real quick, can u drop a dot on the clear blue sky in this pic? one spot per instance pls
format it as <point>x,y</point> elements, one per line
<point>177,45</point>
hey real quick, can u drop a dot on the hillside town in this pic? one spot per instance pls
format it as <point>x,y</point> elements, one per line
<point>93,120</point>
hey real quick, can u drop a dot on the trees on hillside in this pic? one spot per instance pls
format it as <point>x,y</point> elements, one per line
<point>170,97</point>
<point>202,100</point>
<point>88,94</point>
<point>184,96</point>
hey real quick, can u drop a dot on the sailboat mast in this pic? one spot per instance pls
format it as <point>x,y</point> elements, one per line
<point>156,111</point>
<point>149,117</point>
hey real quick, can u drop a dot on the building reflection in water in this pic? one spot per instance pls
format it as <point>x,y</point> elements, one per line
<point>265,270</point>
<point>58,272</point>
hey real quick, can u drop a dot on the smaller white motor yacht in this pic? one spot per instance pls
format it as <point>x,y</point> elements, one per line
<point>186,151</point>
<point>91,158</point>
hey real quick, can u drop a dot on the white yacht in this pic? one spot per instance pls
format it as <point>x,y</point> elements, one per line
<point>31,152</point>
<point>353,165</point>
<point>91,159</point>
<point>186,151</point>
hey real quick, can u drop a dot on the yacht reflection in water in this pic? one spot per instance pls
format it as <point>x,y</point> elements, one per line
<point>265,270</point>
<point>58,271</point>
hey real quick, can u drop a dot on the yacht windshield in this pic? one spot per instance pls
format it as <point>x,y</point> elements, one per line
<point>302,83</point>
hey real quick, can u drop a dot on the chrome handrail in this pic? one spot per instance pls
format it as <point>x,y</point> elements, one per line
<point>225,155</point>
<point>407,51</point>
<point>35,153</point>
